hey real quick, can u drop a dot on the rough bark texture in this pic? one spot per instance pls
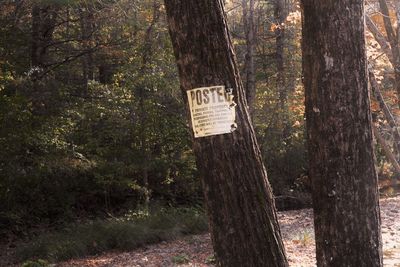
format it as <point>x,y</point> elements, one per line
<point>239,200</point>
<point>342,171</point>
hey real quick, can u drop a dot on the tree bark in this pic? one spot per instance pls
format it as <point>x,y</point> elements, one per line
<point>239,201</point>
<point>341,156</point>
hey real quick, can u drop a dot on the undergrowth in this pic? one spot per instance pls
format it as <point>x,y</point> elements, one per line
<point>129,232</point>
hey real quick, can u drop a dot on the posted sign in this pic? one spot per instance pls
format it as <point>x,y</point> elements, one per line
<point>212,110</point>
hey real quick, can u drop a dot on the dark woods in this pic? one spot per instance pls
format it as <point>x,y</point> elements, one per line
<point>92,122</point>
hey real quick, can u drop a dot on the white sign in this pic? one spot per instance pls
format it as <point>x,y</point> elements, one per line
<point>212,110</point>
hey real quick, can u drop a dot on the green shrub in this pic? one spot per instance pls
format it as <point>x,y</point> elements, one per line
<point>38,263</point>
<point>211,260</point>
<point>180,259</point>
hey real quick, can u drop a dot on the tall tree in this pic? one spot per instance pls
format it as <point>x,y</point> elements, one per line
<point>390,42</point>
<point>243,221</point>
<point>249,66</point>
<point>280,16</point>
<point>391,121</point>
<point>142,112</point>
<point>342,171</point>
<point>86,13</point>
<point>43,25</point>
<point>393,39</point>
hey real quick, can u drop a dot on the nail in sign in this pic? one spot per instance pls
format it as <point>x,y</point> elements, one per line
<point>212,110</point>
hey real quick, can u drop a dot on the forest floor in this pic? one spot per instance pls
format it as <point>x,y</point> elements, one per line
<point>297,230</point>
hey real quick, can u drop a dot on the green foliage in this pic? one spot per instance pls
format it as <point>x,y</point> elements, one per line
<point>281,134</point>
<point>38,263</point>
<point>180,259</point>
<point>40,176</point>
<point>121,234</point>
<point>305,238</point>
<point>87,156</point>
<point>100,123</point>
<point>71,149</point>
<point>211,260</point>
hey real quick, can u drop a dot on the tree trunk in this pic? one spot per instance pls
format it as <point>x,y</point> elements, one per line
<point>386,111</point>
<point>397,6</point>
<point>143,112</point>
<point>291,41</point>
<point>43,25</point>
<point>380,38</point>
<point>42,28</point>
<point>35,35</point>
<point>342,170</point>
<point>393,40</point>
<point>239,201</point>
<point>386,149</point>
<point>249,67</point>
<point>87,31</point>
<point>280,16</point>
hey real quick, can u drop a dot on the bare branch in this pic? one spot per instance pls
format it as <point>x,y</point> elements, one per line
<point>380,38</point>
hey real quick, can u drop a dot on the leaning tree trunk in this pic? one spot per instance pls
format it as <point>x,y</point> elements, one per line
<point>386,149</point>
<point>386,111</point>
<point>239,201</point>
<point>342,171</point>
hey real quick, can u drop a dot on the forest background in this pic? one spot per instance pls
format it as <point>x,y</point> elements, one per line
<point>92,121</point>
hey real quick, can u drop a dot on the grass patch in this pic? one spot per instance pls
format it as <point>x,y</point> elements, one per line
<point>304,238</point>
<point>211,260</point>
<point>122,234</point>
<point>38,263</point>
<point>180,259</point>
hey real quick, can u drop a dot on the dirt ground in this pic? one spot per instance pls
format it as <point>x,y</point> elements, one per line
<point>297,231</point>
